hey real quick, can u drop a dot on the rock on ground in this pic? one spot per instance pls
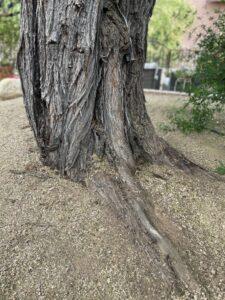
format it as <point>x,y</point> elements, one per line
<point>10,88</point>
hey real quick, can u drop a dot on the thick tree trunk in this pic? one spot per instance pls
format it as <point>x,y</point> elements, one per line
<point>81,64</point>
<point>81,67</point>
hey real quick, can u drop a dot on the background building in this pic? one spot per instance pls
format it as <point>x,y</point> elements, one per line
<point>205,10</point>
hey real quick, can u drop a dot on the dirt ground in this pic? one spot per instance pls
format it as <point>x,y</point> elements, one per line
<point>58,241</point>
<point>206,149</point>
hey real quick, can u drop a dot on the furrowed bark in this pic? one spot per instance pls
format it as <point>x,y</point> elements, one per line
<point>81,64</point>
<point>59,67</point>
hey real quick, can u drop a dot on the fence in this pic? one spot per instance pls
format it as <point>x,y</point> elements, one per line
<point>173,67</point>
<point>173,59</point>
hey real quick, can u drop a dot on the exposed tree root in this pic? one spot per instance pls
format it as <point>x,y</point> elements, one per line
<point>127,197</point>
<point>175,158</point>
<point>83,94</point>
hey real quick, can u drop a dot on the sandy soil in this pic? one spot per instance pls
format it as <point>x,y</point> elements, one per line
<point>58,241</point>
<point>195,204</point>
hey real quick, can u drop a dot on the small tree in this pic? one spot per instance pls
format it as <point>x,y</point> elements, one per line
<point>168,24</point>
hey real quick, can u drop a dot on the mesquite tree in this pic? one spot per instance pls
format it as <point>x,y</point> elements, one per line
<point>81,67</point>
<point>81,64</point>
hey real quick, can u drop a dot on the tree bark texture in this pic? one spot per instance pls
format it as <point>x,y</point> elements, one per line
<point>81,67</point>
<point>81,64</point>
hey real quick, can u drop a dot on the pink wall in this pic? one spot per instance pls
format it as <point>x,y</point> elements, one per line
<point>204,9</point>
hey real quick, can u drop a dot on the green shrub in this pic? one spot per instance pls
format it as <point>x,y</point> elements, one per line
<point>220,169</point>
<point>208,95</point>
<point>195,118</point>
<point>165,127</point>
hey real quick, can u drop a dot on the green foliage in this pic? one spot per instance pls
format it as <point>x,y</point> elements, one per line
<point>196,118</point>
<point>208,95</point>
<point>220,169</point>
<point>169,21</point>
<point>210,69</point>
<point>165,127</point>
<point>9,30</point>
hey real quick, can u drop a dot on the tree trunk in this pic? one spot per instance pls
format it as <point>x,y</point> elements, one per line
<point>81,67</point>
<point>81,64</point>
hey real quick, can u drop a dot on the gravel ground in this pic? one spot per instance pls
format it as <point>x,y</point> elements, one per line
<point>195,204</point>
<point>58,241</point>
